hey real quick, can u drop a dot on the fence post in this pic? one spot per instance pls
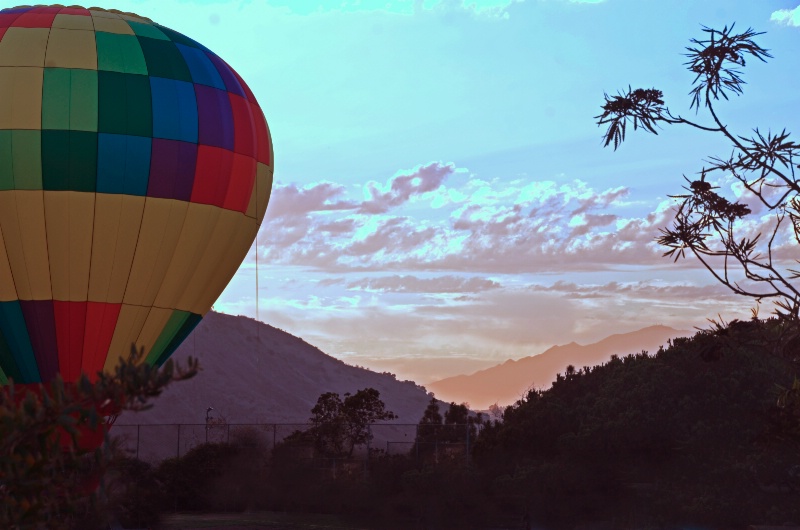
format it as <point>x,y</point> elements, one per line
<point>466,455</point>
<point>369,445</point>
<point>416,442</point>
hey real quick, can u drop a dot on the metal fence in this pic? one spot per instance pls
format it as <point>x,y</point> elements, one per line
<point>157,442</point>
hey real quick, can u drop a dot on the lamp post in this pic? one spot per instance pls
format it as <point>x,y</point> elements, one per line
<point>208,417</point>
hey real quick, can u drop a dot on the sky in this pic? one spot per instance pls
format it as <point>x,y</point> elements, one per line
<point>442,199</point>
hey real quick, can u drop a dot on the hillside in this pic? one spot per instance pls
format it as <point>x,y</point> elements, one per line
<point>507,382</point>
<point>253,373</point>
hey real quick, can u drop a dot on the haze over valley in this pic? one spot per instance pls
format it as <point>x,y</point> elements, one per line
<point>255,373</point>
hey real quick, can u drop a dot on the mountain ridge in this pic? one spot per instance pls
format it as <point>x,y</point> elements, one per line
<point>506,382</point>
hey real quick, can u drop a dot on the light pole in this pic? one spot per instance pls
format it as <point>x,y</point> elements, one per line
<point>208,417</point>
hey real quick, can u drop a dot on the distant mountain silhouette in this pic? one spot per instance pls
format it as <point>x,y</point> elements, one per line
<point>507,382</point>
<point>255,373</point>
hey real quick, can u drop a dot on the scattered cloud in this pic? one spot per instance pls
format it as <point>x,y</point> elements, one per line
<point>414,284</point>
<point>438,217</point>
<point>650,290</point>
<point>400,188</point>
<point>327,282</point>
<point>291,201</point>
<point>437,261</point>
<point>788,17</point>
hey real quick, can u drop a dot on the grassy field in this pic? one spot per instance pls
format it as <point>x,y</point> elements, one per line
<point>256,521</point>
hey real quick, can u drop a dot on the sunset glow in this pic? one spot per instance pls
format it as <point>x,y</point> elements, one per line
<point>442,200</point>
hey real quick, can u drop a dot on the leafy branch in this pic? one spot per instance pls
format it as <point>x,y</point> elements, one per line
<point>48,470</point>
<point>724,234</point>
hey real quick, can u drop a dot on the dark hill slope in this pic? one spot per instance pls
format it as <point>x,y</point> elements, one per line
<point>689,435</point>
<point>252,372</point>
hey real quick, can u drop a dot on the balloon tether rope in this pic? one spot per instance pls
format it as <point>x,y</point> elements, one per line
<point>258,299</point>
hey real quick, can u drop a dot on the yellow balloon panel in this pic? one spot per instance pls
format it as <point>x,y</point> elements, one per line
<point>13,244</point>
<point>22,219</point>
<point>111,25</point>
<point>24,47</point>
<point>30,206</point>
<point>155,322</point>
<point>117,221</point>
<point>66,21</point>
<point>229,263</point>
<point>161,227</point>
<point>102,13</point>
<point>129,323</point>
<point>192,247</point>
<point>71,48</point>
<point>20,97</point>
<point>221,251</point>
<point>259,199</point>
<point>141,327</point>
<point>7,290</point>
<point>69,218</point>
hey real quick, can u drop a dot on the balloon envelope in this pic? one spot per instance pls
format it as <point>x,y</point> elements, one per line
<point>135,169</point>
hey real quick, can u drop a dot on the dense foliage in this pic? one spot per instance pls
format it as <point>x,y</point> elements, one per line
<point>49,474</point>
<point>692,434</point>
<point>697,433</point>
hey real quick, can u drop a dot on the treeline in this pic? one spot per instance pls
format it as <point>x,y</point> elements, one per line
<point>690,435</point>
<point>703,432</point>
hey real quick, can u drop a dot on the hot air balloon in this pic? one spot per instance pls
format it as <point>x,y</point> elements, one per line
<point>135,170</point>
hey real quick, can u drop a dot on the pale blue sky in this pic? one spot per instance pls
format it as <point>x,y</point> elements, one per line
<point>442,197</point>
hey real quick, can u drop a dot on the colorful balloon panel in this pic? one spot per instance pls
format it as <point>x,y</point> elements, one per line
<point>135,170</point>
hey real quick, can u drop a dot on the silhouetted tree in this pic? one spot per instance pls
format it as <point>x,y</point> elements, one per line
<point>429,430</point>
<point>708,225</point>
<point>341,425</point>
<point>432,415</point>
<point>452,428</point>
<point>460,422</point>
